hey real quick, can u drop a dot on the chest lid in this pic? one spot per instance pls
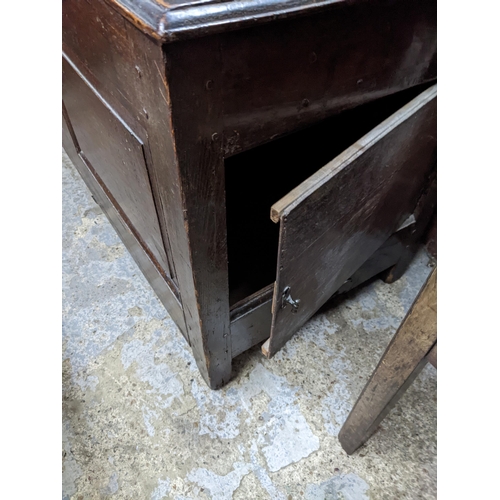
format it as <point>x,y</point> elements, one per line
<point>180,19</point>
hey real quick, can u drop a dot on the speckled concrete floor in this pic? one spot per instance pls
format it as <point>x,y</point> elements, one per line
<point>139,422</point>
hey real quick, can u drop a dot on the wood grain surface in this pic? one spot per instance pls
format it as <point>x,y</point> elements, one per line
<point>279,77</point>
<point>149,268</point>
<point>335,220</point>
<point>117,157</point>
<point>231,80</point>
<point>403,360</point>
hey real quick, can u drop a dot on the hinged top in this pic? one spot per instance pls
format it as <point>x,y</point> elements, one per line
<point>180,19</point>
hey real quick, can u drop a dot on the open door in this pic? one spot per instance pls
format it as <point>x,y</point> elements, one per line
<point>337,218</point>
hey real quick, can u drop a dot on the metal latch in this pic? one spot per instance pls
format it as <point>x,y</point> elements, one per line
<point>286,298</point>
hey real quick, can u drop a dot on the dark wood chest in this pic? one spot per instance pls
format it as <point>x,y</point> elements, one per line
<point>255,157</point>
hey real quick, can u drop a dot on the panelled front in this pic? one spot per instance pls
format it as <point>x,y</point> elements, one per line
<point>295,72</point>
<point>116,157</point>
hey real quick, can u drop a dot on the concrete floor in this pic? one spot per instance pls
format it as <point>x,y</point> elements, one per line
<point>140,423</point>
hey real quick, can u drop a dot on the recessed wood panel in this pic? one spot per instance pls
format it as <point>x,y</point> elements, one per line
<point>117,157</point>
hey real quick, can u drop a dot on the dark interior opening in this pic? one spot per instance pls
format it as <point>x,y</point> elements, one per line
<point>258,178</point>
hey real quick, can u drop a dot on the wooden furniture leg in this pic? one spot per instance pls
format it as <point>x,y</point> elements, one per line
<point>197,154</point>
<point>424,214</point>
<point>402,361</point>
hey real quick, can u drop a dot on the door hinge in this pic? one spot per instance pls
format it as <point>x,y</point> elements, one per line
<point>286,298</point>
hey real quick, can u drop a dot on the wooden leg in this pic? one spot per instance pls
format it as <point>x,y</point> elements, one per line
<point>401,363</point>
<point>193,83</point>
<point>386,257</point>
<point>410,240</point>
<point>398,269</point>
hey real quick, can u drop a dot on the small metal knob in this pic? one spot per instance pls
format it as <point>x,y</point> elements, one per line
<point>286,298</point>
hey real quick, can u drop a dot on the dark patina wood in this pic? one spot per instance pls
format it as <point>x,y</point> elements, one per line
<point>182,19</point>
<point>413,345</point>
<point>117,157</point>
<point>129,72</point>
<point>297,71</point>
<point>426,213</point>
<point>384,258</point>
<point>336,219</point>
<point>251,318</point>
<point>196,124</point>
<point>239,74</point>
<point>143,259</point>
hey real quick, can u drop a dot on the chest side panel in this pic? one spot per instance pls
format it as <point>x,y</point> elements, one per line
<point>117,158</point>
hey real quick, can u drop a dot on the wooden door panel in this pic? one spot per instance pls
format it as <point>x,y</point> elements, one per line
<point>337,218</point>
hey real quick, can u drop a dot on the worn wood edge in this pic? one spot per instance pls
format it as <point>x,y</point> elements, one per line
<point>245,305</point>
<point>167,23</point>
<point>265,348</point>
<point>149,24</point>
<point>103,101</point>
<point>291,200</point>
<point>251,328</point>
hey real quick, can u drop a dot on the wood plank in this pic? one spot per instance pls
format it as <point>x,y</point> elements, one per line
<point>99,43</point>
<point>280,77</point>
<point>336,219</point>
<point>302,192</point>
<point>251,302</point>
<point>182,19</point>
<point>251,320</point>
<point>251,328</point>
<point>405,356</point>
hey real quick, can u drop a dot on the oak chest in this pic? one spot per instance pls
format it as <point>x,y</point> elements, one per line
<point>255,157</point>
